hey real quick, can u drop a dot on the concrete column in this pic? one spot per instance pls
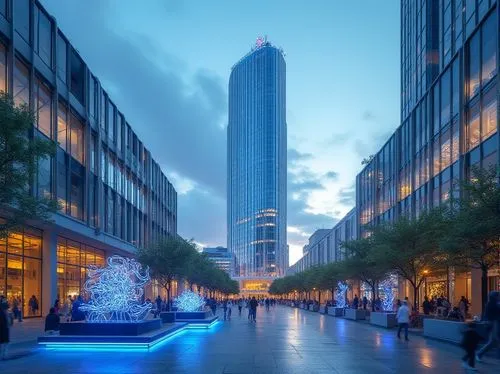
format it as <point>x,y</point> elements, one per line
<point>475,297</point>
<point>49,270</point>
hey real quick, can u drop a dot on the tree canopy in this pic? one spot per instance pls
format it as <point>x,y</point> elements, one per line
<point>20,153</point>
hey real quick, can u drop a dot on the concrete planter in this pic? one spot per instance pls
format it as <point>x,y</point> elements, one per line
<point>450,331</point>
<point>355,314</point>
<point>387,320</point>
<point>322,309</point>
<point>336,312</point>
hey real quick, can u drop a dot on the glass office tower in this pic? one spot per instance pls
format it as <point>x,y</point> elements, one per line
<point>257,162</point>
<point>449,113</point>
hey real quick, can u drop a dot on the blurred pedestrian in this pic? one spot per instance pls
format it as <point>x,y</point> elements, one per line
<point>403,318</point>
<point>470,342</point>
<point>492,315</point>
<point>4,329</point>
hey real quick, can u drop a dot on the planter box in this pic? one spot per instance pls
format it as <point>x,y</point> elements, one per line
<point>450,331</point>
<point>167,317</point>
<point>387,320</point>
<point>336,312</point>
<point>109,328</point>
<point>355,314</point>
<point>322,309</point>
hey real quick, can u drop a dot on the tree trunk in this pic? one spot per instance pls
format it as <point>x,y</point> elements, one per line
<point>169,287</point>
<point>484,288</point>
<point>333,295</point>
<point>319,297</point>
<point>373,296</point>
<point>415,298</point>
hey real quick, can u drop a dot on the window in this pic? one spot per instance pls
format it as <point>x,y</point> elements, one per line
<point>111,122</point>
<point>474,55</point>
<point>489,51</point>
<point>456,87</point>
<point>62,169</point>
<point>77,76</point>
<point>62,126</point>
<point>489,113</point>
<point>77,140</point>
<point>436,152</point>
<point>62,53</point>
<point>92,98</point>
<point>43,42</point>
<point>22,18</point>
<point>93,200</point>
<point>110,212</point>
<point>445,98</point>
<point>436,109</point>
<point>93,155</point>
<point>21,84</point>
<point>43,107</point>
<point>473,132</point>
<point>77,188</point>
<point>3,10</point>
<point>455,140</point>
<point>3,68</point>
<point>43,177</point>
<point>119,132</point>
<point>446,149</point>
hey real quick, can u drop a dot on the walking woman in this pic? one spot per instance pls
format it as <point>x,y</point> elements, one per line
<point>4,329</point>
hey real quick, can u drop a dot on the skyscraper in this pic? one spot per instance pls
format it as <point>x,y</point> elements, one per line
<point>256,215</point>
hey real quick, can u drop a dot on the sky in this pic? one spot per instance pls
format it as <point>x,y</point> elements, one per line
<point>166,64</point>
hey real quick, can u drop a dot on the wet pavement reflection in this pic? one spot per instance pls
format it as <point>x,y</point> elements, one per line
<point>283,340</point>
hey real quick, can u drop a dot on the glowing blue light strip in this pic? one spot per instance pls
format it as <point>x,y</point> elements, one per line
<point>125,346</point>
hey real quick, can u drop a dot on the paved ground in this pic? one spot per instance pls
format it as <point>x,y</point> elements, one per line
<point>283,340</point>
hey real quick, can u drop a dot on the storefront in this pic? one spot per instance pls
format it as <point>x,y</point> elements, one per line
<point>73,259</point>
<point>21,270</point>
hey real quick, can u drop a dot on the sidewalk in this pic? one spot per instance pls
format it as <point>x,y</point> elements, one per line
<point>23,337</point>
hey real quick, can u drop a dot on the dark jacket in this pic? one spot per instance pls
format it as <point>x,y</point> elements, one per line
<point>253,304</point>
<point>52,322</point>
<point>4,327</point>
<point>492,312</point>
<point>470,339</point>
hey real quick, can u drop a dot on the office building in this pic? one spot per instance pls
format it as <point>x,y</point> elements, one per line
<point>113,196</point>
<point>257,162</point>
<point>221,257</point>
<point>325,245</point>
<point>449,123</point>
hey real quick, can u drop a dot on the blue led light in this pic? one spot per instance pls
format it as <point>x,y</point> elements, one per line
<point>116,291</point>
<point>388,302</point>
<point>340,294</point>
<point>189,301</point>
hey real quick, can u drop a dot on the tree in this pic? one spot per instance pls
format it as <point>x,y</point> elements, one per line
<point>473,235</point>
<point>168,261</point>
<point>330,276</point>
<point>19,158</point>
<point>411,247</point>
<point>363,265</point>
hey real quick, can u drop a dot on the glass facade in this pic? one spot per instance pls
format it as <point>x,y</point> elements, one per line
<point>73,259</point>
<point>109,187</point>
<point>449,112</point>
<point>21,269</point>
<point>257,162</point>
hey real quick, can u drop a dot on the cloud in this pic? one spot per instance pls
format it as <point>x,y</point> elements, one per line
<point>333,175</point>
<point>178,116</point>
<point>368,116</point>
<point>294,156</point>
<point>347,196</point>
<point>337,139</point>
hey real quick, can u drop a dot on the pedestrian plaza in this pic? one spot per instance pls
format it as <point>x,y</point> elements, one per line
<point>283,340</point>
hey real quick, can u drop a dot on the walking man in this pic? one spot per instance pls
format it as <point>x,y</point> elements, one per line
<point>492,315</point>
<point>403,317</point>
<point>253,309</point>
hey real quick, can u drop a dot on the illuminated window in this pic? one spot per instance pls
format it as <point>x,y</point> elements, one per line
<point>77,139</point>
<point>62,126</point>
<point>473,129</point>
<point>43,103</point>
<point>3,68</point>
<point>489,113</point>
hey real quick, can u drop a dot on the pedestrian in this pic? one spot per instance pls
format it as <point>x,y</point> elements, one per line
<point>52,321</point>
<point>470,342</point>
<point>403,318</point>
<point>408,303</point>
<point>33,305</point>
<point>253,309</point>
<point>426,305</point>
<point>4,329</point>
<point>267,304</point>
<point>158,306</point>
<point>365,301</point>
<point>16,310</point>
<point>355,302</point>
<point>240,306</point>
<point>462,306</point>
<point>492,315</point>
<point>224,307</point>
<point>229,310</point>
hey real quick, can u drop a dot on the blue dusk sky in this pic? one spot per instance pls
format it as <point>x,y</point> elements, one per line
<point>166,64</point>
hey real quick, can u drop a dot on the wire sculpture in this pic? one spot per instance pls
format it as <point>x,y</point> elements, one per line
<point>340,294</point>
<point>189,301</point>
<point>388,301</point>
<point>116,291</point>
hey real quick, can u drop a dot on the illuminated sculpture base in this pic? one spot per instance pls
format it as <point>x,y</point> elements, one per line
<point>110,328</point>
<point>194,319</point>
<point>142,342</point>
<point>336,312</point>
